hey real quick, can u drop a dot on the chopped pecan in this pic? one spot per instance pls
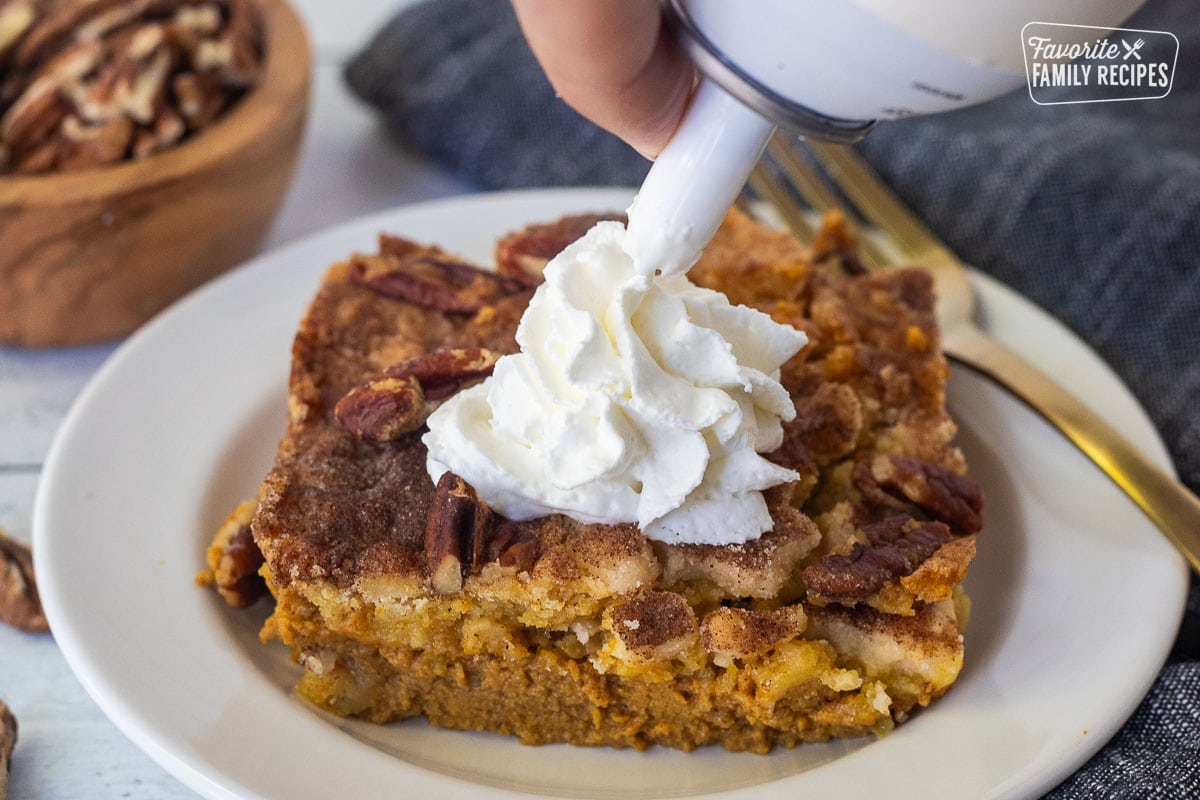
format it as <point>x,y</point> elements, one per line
<point>8,741</point>
<point>199,97</point>
<point>56,27</point>
<point>40,159</point>
<point>513,547</point>
<point>132,83</point>
<point>145,41</point>
<point>11,87</point>
<point>15,18</point>
<point>168,66</point>
<point>456,269</point>
<point>166,129</point>
<point>456,533</point>
<point>429,278</point>
<point>234,53</point>
<point>899,527</point>
<point>198,20</point>
<point>828,422</point>
<point>237,575</point>
<point>896,546</point>
<point>33,117</point>
<point>445,372</point>
<point>60,75</point>
<point>523,255</point>
<point>793,455</point>
<point>875,494</point>
<point>835,239</point>
<point>955,499</point>
<point>20,605</point>
<point>91,145</point>
<point>234,560</point>
<point>402,398</point>
<point>108,21</point>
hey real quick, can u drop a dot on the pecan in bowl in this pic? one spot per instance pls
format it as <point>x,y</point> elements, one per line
<point>145,146</point>
<point>91,82</point>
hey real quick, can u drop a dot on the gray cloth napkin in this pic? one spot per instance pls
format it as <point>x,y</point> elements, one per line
<point>1091,211</point>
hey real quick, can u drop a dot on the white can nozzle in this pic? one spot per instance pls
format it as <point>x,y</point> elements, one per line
<point>694,181</point>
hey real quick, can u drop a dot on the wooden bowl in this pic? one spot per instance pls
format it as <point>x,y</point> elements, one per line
<point>88,256</point>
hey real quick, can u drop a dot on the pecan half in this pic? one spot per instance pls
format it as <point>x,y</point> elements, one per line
<point>445,372</point>
<point>896,546</point>
<point>20,605</point>
<point>383,409</point>
<point>8,741</point>
<point>523,255</point>
<point>402,398</point>
<point>456,533</point>
<point>426,277</point>
<point>955,499</point>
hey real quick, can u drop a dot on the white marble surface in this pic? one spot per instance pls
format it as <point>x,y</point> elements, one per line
<point>67,747</point>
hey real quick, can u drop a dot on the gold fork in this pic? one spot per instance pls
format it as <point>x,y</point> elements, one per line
<point>1167,502</point>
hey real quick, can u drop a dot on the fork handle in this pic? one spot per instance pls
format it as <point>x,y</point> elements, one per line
<point>1166,501</point>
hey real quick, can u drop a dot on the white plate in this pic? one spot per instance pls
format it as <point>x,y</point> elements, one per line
<point>1077,598</point>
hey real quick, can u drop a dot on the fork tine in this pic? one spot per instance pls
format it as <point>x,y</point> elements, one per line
<point>810,187</point>
<point>813,187</point>
<point>878,204</point>
<point>769,189</point>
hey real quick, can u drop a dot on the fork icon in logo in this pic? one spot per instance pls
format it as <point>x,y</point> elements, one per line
<point>1132,50</point>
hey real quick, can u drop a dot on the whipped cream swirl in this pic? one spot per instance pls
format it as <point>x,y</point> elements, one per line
<point>635,398</point>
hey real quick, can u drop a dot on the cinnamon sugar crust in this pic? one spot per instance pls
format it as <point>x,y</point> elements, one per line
<point>837,622</point>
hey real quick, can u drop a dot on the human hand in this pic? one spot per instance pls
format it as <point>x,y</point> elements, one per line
<point>612,62</point>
